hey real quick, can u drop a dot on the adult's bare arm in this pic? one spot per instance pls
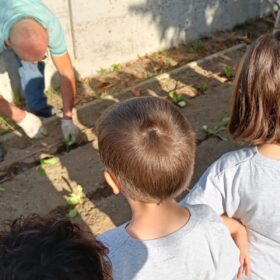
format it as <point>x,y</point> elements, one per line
<point>68,91</point>
<point>11,111</point>
<point>67,82</point>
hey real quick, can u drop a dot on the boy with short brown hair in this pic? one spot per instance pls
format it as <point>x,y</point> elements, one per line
<point>148,149</point>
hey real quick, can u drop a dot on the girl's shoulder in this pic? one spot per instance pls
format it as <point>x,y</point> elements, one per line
<point>233,159</point>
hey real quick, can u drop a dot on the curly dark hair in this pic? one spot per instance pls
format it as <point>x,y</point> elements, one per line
<point>51,248</point>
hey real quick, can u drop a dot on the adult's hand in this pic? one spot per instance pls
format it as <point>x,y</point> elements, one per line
<point>69,130</point>
<point>32,126</point>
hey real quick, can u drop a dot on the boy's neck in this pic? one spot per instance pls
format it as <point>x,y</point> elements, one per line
<point>270,150</point>
<point>151,220</point>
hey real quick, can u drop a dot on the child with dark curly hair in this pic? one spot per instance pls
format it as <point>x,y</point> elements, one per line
<point>51,248</point>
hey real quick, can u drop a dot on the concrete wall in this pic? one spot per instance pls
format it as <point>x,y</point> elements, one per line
<point>101,33</point>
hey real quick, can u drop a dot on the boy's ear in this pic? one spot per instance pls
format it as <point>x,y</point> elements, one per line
<point>112,181</point>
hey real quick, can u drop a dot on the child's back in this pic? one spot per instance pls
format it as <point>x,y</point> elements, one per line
<point>245,184</point>
<point>148,150</point>
<point>201,249</point>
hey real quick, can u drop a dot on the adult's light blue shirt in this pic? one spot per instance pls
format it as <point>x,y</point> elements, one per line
<point>13,10</point>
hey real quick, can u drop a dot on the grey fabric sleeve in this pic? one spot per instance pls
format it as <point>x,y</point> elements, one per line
<point>208,190</point>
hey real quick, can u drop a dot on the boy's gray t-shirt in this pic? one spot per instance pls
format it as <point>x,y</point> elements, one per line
<point>246,185</point>
<point>200,250</point>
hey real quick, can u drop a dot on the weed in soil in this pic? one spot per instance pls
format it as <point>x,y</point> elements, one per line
<point>177,99</point>
<point>73,213</point>
<point>155,58</point>
<point>197,47</point>
<point>116,67</point>
<point>44,163</point>
<point>149,66</point>
<point>102,71</point>
<point>74,199</point>
<point>215,131</point>
<point>203,87</point>
<point>228,72</point>
<point>70,141</point>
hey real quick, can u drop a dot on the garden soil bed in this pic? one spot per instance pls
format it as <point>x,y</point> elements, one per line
<point>29,185</point>
<point>40,175</point>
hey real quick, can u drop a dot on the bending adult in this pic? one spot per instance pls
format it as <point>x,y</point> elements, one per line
<point>29,29</point>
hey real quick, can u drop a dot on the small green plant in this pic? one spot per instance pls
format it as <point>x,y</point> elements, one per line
<point>229,72</point>
<point>168,61</point>
<point>46,162</point>
<point>116,67</point>
<point>73,213</point>
<point>155,58</point>
<point>177,99</point>
<point>70,141</point>
<point>102,71</point>
<point>203,86</point>
<point>104,94</point>
<point>215,131</point>
<point>2,189</point>
<point>197,47</point>
<point>74,199</point>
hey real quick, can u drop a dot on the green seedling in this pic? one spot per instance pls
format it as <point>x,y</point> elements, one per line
<point>2,189</point>
<point>155,58</point>
<point>102,71</point>
<point>197,47</point>
<point>116,67</point>
<point>215,131</point>
<point>46,162</point>
<point>73,213</point>
<point>75,198</point>
<point>104,94</point>
<point>203,87</point>
<point>229,72</point>
<point>168,61</point>
<point>177,99</point>
<point>70,141</point>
